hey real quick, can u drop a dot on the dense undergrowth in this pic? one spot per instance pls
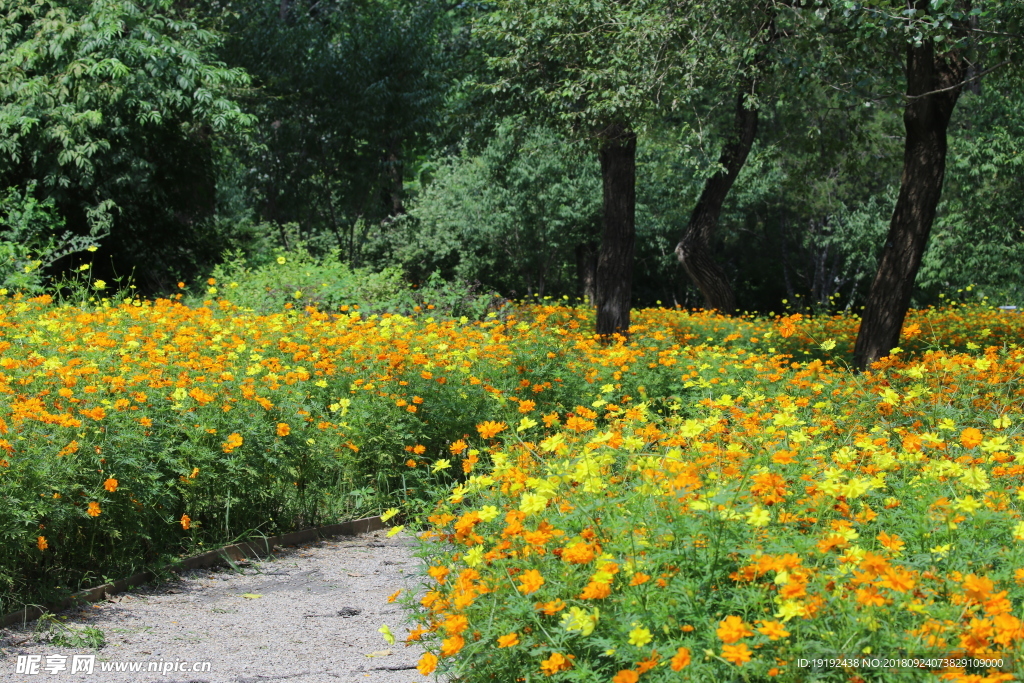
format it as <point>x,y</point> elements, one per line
<point>717,496</point>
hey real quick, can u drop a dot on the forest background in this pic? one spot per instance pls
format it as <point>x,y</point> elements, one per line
<point>740,155</point>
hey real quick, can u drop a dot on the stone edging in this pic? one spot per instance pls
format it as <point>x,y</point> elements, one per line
<point>232,553</point>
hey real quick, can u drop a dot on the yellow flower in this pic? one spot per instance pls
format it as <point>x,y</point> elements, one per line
<point>525,424</point>
<point>531,503</point>
<point>789,609</point>
<point>388,635</point>
<point>640,636</point>
<point>84,266</point>
<point>578,619</point>
<point>1018,531</point>
<point>474,556</point>
<point>758,516</point>
<point>828,344</point>
<point>99,285</point>
<point>93,248</point>
<point>441,464</point>
<point>487,513</point>
<point>967,504</point>
<point>282,260</point>
<point>975,478</point>
<point>388,514</point>
<point>395,530</point>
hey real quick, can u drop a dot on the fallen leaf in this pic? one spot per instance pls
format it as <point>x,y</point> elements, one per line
<point>251,596</point>
<point>380,653</point>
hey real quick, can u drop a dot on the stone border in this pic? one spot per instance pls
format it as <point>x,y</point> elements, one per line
<point>231,553</point>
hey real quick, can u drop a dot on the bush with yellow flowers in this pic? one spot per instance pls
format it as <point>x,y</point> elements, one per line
<point>790,522</point>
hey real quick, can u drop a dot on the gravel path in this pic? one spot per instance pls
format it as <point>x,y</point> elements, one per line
<point>311,616</point>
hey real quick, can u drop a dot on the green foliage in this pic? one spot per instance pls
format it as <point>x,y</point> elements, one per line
<point>30,241</point>
<point>348,95</point>
<point>111,106</point>
<point>978,237</point>
<point>52,629</point>
<point>296,279</point>
<point>511,217</point>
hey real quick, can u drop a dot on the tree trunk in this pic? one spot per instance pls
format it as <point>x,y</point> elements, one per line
<point>615,261</point>
<point>395,177</point>
<point>693,249</point>
<point>586,271</point>
<point>925,117</point>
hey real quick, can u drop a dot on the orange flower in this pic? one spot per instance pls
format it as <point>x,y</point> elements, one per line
<point>970,437</point>
<point>394,596</point>
<point>526,406</point>
<point>639,578</point>
<point>645,665</point>
<point>555,663</point>
<point>870,596</point>
<point>283,429</point>
<point>234,441</point>
<point>596,591</point>
<point>733,628</point>
<point>530,581</point>
<point>578,424</point>
<point>94,509</point>
<point>41,543</point>
<point>110,485</point>
<point>427,664</point>
<point>450,646</point>
<point>508,640</point>
<point>681,659</point>
<point>773,629</point>
<point>458,446</point>
<point>438,573</point>
<point>410,463</point>
<point>626,676</point>
<point>186,522</point>
<point>897,579</point>
<point>737,654</point>
<point>578,553</point>
<point>455,624</point>
<point>552,607</point>
<point>892,543</point>
<point>978,588</point>
<point>490,429</point>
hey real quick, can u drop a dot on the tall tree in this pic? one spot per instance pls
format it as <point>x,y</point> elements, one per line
<point>944,43</point>
<point>112,104</point>
<point>597,70</point>
<point>349,93</point>
<point>756,31</point>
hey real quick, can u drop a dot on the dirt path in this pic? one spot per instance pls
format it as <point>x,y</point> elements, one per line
<point>307,615</point>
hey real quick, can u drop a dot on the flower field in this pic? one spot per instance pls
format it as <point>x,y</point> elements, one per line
<point>714,500</point>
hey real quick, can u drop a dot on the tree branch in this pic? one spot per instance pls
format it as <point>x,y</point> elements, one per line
<point>961,84</point>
